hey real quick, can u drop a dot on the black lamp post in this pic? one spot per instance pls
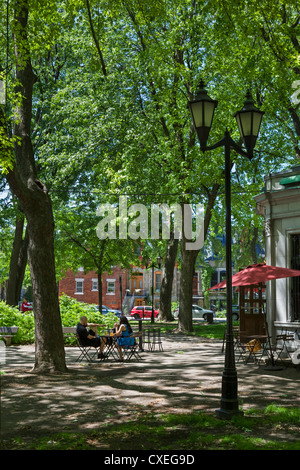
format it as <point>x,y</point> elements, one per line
<point>121,294</point>
<point>248,120</point>
<point>152,266</point>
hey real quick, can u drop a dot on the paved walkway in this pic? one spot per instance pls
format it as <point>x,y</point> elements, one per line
<point>185,377</point>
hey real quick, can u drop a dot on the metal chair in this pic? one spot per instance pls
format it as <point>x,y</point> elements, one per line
<point>132,351</point>
<point>85,351</point>
<point>280,349</point>
<point>248,351</point>
<point>287,339</point>
<point>236,336</point>
<point>153,339</point>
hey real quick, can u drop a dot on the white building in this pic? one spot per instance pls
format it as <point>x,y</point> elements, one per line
<point>280,206</point>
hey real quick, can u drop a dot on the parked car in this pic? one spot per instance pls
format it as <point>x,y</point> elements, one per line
<point>197,312</point>
<point>115,311</point>
<point>143,312</point>
<point>106,310</point>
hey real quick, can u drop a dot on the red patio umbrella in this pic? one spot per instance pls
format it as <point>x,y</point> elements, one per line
<point>256,273</point>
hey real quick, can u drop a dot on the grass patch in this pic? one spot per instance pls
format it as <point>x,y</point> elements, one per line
<point>200,329</point>
<point>193,431</point>
<point>213,331</point>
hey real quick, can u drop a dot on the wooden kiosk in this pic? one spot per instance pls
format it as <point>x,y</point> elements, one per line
<point>252,310</point>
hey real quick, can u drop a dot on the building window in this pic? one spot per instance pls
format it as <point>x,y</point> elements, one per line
<point>94,284</point>
<point>214,279</point>
<point>79,286</point>
<point>111,286</point>
<point>157,282</point>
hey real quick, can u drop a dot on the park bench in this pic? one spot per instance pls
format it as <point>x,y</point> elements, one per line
<point>7,332</point>
<point>69,332</point>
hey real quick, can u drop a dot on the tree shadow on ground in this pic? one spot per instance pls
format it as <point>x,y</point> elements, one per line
<point>185,377</point>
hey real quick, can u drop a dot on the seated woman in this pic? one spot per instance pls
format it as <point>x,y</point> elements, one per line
<point>123,332</point>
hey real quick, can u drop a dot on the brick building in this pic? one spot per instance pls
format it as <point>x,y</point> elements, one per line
<point>84,287</point>
<point>136,287</point>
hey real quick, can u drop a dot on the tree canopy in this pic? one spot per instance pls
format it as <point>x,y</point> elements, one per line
<point>95,107</point>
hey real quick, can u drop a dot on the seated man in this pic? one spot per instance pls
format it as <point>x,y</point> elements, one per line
<point>88,338</point>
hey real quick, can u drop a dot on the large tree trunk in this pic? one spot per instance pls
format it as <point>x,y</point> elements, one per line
<point>165,313</point>
<point>49,345</point>
<point>37,207</point>
<point>18,261</point>
<point>188,259</point>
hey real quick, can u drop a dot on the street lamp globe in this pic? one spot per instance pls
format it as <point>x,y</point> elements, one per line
<point>249,120</point>
<point>202,109</point>
<point>159,261</point>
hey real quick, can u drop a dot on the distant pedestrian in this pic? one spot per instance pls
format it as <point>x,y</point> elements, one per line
<point>26,306</point>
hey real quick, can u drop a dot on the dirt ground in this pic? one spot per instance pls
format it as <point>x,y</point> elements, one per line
<point>185,377</point>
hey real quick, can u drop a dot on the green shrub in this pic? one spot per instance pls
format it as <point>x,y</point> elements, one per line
<point>11,316</point>
<point>71,310</point>
<point>221,313</point>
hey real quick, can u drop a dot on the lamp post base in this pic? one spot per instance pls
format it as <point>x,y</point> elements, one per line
<point>228,414</point>
<point>229,400</point>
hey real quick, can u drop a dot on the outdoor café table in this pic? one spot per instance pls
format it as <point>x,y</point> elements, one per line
<point>261,339</point>
<point>109,349</point>
<point>94,327</point>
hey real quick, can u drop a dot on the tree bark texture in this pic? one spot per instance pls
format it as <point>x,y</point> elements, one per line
<point>165,313</point>
<point>18,261</point>
<point>188,260</point>
<point>37,207</point>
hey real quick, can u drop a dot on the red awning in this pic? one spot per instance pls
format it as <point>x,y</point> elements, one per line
<point>257,273</point>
